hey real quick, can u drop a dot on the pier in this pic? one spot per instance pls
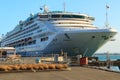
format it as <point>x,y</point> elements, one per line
<point>77,73</point>
<point>105,63</point>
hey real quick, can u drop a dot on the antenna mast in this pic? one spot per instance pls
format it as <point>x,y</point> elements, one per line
<point>64,6</point>
<point>107,24</point>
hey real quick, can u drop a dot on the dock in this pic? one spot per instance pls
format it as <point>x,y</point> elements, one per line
<point>76,73</point>
<point>105,63</point>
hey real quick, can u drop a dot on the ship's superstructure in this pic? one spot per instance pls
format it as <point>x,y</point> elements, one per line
<point>51,32</point>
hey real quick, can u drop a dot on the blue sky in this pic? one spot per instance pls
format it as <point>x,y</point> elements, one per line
<point>12,11</point>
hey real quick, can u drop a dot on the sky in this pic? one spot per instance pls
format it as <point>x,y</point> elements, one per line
<point>12,11</point>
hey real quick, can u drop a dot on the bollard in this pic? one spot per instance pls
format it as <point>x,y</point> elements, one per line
<point>37,60</point>
<point>56,57</point>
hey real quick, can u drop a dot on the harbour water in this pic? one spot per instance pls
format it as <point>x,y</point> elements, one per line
<point>103,57</point>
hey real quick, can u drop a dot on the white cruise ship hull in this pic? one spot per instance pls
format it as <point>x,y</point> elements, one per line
<point>77,42</point>
<point>81,42</point>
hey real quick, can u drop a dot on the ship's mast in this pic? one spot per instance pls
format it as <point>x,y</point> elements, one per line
<point>46,9</point>
<point>107,24</point>
<point>64,6</point>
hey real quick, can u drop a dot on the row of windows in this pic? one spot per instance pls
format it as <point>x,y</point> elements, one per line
<point>63,16</point>
<point>68,16</point>
<point>25,44</point>
<point>23,33</point>
<point>28,23</point>
<point>20,41</point>
<point>30,26</point>
<point>43,16</point>
<point>22,44</point>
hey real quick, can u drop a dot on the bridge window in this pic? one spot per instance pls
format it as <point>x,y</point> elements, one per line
<point>73,16</point>
<point>67,16</point>
<point>55,16</point>
<point>43,16</point>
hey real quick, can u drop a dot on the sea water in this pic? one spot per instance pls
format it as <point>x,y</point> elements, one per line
<point>103,57</point>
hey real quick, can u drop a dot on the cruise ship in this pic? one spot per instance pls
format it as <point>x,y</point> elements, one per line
<point>50,32</point>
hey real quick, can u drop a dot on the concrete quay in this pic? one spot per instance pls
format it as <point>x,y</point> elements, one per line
<point>77,73</point>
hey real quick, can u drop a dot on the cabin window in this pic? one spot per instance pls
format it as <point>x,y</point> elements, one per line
<point>44,39</point>
<point>93,36</point>
<point>34,41</point>
<point>29,43</point>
